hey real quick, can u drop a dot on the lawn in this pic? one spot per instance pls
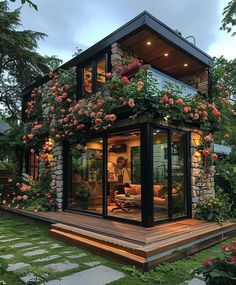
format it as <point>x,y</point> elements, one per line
<point>19,237</point>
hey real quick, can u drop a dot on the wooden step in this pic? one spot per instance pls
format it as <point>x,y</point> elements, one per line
<point>101,248</point>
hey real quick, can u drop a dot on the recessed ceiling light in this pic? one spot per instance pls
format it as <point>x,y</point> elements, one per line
<point>185,65</point>
<point>148,43</point>
<point>166,54</point>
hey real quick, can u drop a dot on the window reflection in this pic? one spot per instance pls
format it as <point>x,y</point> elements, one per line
<point>124,188</point>
<point>160,174</point>
<point>101,73</point>
<point>88,79</point>
<point>178,174</point>
<point>86,186</point>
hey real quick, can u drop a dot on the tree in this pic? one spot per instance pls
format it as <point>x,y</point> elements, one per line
<point>20,63</point>
<point>229,20</point>
<point>223,78</point>
<point>31,4</point>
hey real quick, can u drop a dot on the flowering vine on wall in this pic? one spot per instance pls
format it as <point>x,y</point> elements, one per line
<point>54,112</point>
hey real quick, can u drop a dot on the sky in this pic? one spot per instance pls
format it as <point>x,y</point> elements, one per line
<point>76,23</point>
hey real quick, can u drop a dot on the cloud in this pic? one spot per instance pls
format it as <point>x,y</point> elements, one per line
<point>76,23</point>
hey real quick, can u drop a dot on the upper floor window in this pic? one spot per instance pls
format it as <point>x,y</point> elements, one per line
<point>94,75</point>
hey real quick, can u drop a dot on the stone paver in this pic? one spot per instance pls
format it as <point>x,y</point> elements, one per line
<point>99,275</point>
<point>92,263</point>
<point>21,244</point>
<point>11,239</point>
<point>55,245</point>
<point>31,277</point>
<point>44,242</point>
<point>76,256</point>
<point>62,266</point>
<point>30,248</point>
<point>7,256</point>
<point>196,281</point>
<point>16,266</point>
<point>49,258</point>
<point>36,252</point>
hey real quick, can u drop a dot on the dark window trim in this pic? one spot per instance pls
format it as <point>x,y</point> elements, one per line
<point>93,62</point>
<point>147,210</point>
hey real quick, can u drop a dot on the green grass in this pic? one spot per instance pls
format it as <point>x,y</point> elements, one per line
<point>167,274</point>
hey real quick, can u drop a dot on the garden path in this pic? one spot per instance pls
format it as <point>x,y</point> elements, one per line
<point>30,254</point>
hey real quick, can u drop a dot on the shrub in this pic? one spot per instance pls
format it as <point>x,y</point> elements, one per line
<point>225,178</point>
<point>221,270</point>
<point>212,209</point>
<point>34,195</point>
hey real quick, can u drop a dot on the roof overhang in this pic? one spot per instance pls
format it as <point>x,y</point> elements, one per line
<point>143,21</point>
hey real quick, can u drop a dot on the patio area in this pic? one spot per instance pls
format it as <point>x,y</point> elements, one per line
<point>132,244</point>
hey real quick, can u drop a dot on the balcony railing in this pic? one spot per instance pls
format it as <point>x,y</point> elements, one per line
<point>163,79</point>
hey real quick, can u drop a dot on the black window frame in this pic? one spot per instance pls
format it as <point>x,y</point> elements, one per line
<point>93,63</point>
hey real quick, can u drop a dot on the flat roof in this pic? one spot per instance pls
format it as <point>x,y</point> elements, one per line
<point>143,20</point>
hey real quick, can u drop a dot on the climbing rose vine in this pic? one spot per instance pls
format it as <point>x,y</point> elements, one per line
<point>53,110</point>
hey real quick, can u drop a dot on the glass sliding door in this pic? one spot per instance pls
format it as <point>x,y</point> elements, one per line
<point>87,173</point>
<point>160,174</point>
<point>124,175</point>
<point>178,150</point>
<point>169,174</point>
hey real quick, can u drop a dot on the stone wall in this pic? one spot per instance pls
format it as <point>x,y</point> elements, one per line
<point>198,80</point>
<point>120,57</point>
<point>57,174</point>
<point>202,180</point>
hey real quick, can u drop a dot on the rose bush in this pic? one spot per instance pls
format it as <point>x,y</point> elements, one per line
<point>221,270</point>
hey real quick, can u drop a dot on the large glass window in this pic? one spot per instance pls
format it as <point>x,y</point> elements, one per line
<point>178,174</point>
<point>101,73</point>
<point>160,174</point>
<point>169,184</point>
<point>86,183</point>
<point>124,176</point>
<point>163,79</point>
<point>87,79</point>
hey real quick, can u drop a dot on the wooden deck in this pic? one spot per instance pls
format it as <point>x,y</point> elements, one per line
<point>132,244</point>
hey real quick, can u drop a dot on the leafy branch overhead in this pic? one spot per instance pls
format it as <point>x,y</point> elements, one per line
<point>20,63</point>
<point>31,4</point>
<point>229,20</point>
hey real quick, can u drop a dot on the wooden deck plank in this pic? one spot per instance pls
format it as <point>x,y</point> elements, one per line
<point>133,244</point>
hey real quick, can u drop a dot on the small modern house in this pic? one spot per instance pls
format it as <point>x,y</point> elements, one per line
<point>142,170</point>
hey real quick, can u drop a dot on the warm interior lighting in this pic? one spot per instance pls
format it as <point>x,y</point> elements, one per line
<point>185,65</point>
<point>148,43</point>
<point>197,154</point>
<point>166,54</point>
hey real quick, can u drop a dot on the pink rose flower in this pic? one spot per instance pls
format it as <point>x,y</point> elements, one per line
<point>109,75</point>
<point>131,103</point>
<point>125,80</point>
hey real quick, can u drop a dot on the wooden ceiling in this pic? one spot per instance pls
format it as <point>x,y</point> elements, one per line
<point>154,54</point>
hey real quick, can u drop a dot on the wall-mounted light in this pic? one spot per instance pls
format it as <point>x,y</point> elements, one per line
<point>166,54</point>
<point>185,65</point>
<point>148,43</point>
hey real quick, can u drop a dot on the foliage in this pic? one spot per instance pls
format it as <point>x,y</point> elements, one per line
<point>34,195</point>
<point>31,4</point>
<point>64,118</point>
<point>225,178</point>
<point>229,20</point>
<point>212,209</point>
<point>83,191</point>
<point>221,270</point>
<point>10,146</point>
<point>20,64</point>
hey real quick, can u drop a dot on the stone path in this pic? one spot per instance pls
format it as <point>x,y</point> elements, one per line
<point>59,263</point>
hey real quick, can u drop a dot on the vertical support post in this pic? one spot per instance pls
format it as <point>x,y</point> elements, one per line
<point>170,204</point>
<point>104,177</point>
<point>66,174</point>
<point>188,163</point>
<point>147,175</point>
